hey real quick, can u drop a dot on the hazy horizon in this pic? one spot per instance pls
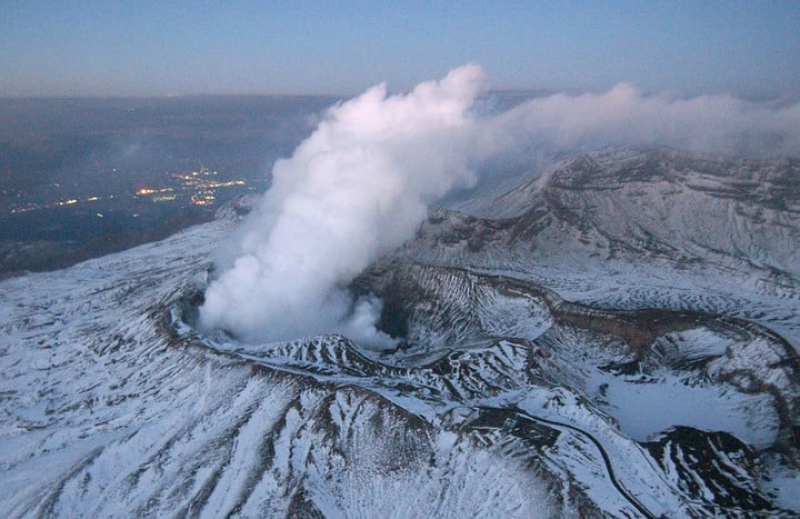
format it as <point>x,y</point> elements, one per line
<point>180,48</point>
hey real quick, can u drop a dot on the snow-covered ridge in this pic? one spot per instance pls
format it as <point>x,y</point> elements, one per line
<point>632,229</point>
<point>661,205</point>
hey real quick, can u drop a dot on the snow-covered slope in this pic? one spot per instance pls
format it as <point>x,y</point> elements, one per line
<point>550,366</point>
<point>109,412</point>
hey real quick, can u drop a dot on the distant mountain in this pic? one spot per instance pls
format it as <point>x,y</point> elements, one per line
<point>615,337</point>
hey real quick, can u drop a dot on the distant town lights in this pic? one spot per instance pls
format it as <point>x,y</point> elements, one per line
<point>145,191</point>
<point>198,186</point>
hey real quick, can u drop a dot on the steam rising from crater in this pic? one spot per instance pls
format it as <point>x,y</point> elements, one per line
<point>356,188</point>
<point>361,183</point>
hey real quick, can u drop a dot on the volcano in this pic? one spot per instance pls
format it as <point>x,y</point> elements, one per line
<point>615,336</point>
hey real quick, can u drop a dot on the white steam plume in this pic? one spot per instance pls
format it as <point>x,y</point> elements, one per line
<point>356,188</point>
<point>626,116</point>
<point>361,183</point>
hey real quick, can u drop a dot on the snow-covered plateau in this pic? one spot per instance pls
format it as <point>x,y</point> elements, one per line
<point>615,337</point>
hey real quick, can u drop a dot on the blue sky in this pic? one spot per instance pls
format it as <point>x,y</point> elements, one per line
<point>72,47</point>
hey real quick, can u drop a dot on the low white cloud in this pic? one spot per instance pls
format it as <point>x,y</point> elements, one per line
<point>625,116</point>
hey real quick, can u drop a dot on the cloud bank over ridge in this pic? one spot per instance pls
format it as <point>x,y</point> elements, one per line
<point>626,116</point>
<point>361,184</point>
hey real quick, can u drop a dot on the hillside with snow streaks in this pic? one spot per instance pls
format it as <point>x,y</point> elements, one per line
<point>615,338</point>
<point>631,228</point>
<point>108,412</point>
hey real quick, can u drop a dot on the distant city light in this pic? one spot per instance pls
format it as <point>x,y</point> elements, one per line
<point>199,187</point>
